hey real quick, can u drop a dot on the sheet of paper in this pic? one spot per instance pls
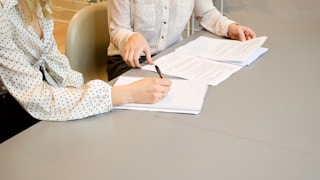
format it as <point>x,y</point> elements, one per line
<point>194,68</point>
<point>251,59</point>
<point>185,96</point>
<point>222,49</point>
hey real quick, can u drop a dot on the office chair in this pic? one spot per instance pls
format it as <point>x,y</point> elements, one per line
<point>87,40</point>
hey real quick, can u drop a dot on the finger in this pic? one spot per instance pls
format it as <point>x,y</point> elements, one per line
<point>241,34</point>
<point>252,34</point>
<point>248,36</point>
<point>162,95</point>
<point>148,57</point>
<point>165,89</point>
<point>135,59</point>
<point>130,60</point>
<point>249,33</point>
<point>126,56</point>
<point>166,82</point>
<point>136,62</point>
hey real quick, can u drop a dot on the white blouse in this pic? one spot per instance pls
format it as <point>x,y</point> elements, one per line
<point>161,22</point>
<point>39,77</point>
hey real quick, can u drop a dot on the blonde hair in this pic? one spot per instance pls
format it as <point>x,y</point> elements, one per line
<point>32,8</point>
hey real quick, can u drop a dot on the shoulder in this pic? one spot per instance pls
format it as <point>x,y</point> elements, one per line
<point>5,24</point>
<point>6,5</point>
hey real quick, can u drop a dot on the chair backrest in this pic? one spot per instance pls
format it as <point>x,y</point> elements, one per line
<point>87,40</point>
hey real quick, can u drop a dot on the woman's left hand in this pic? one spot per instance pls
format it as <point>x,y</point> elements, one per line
<point>239,32</point>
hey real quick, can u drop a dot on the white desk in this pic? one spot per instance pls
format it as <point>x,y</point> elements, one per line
<point>262,123</point>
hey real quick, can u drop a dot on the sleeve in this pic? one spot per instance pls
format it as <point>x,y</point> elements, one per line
<point>58,65</point>
<point>119,21</point>
<point>54,64</point>
<point>210,18</point>
<point>41,100</point>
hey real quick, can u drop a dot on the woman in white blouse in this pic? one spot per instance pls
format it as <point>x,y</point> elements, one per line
<point>37,82</point>
<point>140,29</point>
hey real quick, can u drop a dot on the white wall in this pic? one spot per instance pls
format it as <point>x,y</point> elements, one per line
<point>283,8</point>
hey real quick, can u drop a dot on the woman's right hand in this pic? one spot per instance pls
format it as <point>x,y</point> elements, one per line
<point>132,51</point>
<point>147,91</point>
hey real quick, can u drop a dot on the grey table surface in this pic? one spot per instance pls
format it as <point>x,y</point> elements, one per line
<point>263,122</point>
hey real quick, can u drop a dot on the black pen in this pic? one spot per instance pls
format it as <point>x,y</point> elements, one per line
<point>158,71</point>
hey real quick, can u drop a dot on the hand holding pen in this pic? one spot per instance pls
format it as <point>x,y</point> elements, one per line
<point>145,90</point>
<point>160,75</point>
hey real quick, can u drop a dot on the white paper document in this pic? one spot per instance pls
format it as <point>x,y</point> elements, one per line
<point>223,49</point>
<point>185,96</point>
<point>194,68</point>
<point>251,59</point>
<point>210,60</point>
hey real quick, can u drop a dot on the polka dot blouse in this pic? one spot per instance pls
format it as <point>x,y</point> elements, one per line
<point>39,77</point>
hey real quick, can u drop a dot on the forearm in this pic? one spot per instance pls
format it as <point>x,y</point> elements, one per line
<point>121,95</point>
<point>211,19</point>
<point>119,19</point>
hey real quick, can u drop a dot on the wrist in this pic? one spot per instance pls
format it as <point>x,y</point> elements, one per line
<point>230,29</point>
<point>121,95</point>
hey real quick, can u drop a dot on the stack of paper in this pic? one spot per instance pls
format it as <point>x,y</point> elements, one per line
<point>210,60</point>
<point>185,96</point>
<point>225,50</point>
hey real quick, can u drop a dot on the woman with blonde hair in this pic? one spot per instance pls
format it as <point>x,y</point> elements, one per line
<point>37,82</point>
